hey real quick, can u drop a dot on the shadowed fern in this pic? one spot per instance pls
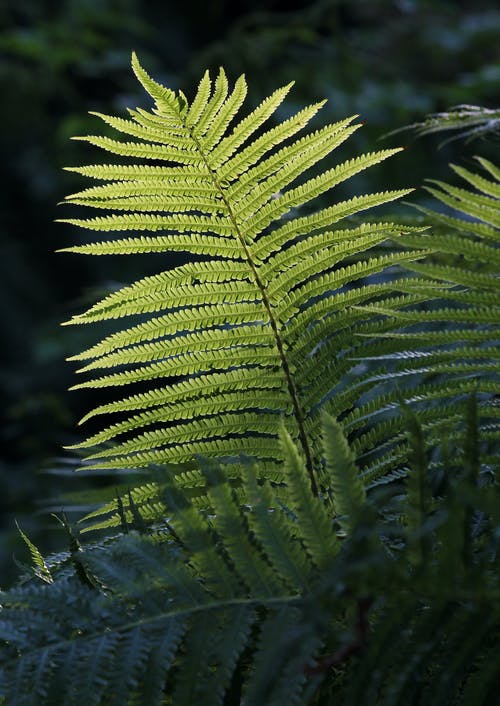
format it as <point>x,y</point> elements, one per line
<point>264,604</point>
<point>435,640</point>
<point>186,616</point>
<point>440,352</point>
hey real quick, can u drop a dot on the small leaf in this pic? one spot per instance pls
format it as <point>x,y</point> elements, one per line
<point>39,566</point>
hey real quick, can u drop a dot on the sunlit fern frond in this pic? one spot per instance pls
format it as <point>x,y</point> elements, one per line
<point>258,325</point>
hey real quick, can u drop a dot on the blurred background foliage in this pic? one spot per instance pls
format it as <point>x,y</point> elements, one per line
<point>391,61</point>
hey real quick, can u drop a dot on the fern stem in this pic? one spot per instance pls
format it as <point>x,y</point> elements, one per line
<point>292,389</point>
<point>174,614</point>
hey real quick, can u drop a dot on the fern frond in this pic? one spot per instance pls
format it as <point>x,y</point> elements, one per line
<point>239,163</point>
<point>315,532</point>
<point>487,186</point>
<point>276,240</point>
<point>194,243</point>
<point>228,523</point>
<point>277,678</point>
<point>482,208</point>
<point>229,197</point>
<point>271,530</point>
<point>39,566</point>
<point>490,167</point>
<point>467,311</point>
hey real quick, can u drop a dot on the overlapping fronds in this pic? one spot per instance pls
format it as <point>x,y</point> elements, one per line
<point>181,612</point>
<point>259,326</point>
<point>266,603</point>
<point>435,642</point>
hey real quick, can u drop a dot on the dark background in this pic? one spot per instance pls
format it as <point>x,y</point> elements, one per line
<point>390,61</point>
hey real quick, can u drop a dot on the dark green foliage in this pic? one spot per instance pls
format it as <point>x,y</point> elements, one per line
<point>221,589</point>
<point>434,640</point>
<point>263,603</point>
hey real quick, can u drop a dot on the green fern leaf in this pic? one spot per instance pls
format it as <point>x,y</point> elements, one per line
<point>220,333</point>
<point>39,564</point>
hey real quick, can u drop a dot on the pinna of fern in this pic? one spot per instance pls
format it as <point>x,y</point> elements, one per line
<point>272,602</point>
<point>259,326</point>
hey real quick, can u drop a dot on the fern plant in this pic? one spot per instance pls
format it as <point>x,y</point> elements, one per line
<point>259,326</point>
<point>272,602</point>
<point>288,592</point>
